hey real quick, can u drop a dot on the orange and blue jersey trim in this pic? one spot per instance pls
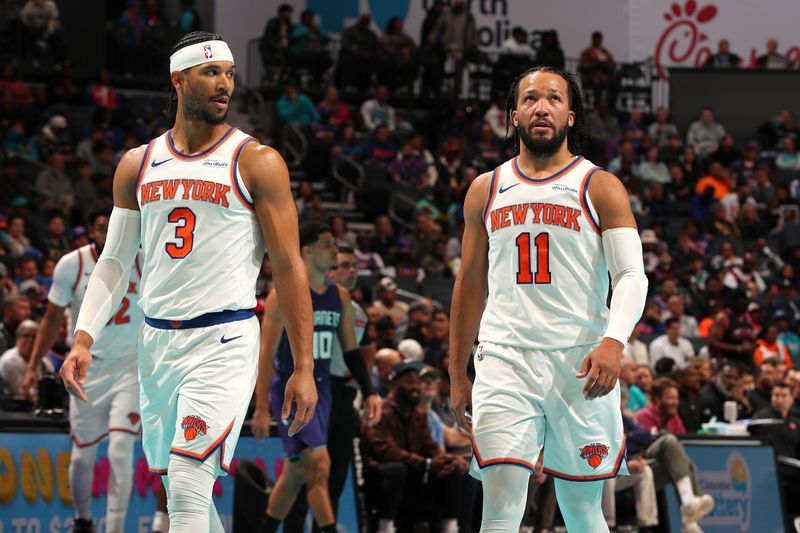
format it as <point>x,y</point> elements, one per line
<point>103,436</point>
<point>492,194</point>
<point>126,430</point>
<point>585,199</point>
<point>90,443</point>
<point>158,471</point>
<point>193,157</point>
<point>623,451</point>
<point>542,181</point>
<point>234,177</point>
<point>143,165</point>
<point>200,457</point>
<point>501,461</point>
<point>225,467</point>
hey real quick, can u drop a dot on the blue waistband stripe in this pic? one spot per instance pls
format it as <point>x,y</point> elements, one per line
<point>202,321</point>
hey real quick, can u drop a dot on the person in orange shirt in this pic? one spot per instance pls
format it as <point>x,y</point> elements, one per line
<point>704,327</point>
<point>718,178</point>
<point>768,348</point>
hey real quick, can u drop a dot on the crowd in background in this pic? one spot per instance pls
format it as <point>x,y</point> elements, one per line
<point>719,215</point>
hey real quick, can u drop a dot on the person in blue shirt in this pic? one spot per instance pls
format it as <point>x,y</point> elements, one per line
<point>296,107</point>
<point>188,20</point>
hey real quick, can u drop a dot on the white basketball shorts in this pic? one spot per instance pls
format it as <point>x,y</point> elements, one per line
<point>196,385</point>
<point>523,400</point>
<point>113,391</point>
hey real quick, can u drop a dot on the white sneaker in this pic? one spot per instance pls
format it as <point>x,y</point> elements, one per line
<point>697,508</point>
<point>691,528</point>
<point>797,524</point>
<point>451,527</point>
<point>386,526</point>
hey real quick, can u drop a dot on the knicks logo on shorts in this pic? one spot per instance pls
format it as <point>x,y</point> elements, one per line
<point>134,418</point>
<point>479,353</point>
<point>193,426</point>
<point>594,453</point>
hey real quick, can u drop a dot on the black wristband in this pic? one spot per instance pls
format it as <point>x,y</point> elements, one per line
<point>355,364</point>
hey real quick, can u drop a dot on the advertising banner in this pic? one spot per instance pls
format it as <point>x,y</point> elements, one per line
<point>685,33</point>
<point>35,496</point>
<point>238,21</point>
<point>744,484</point>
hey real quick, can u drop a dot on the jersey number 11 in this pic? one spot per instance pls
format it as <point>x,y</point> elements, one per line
<point>524,274</point>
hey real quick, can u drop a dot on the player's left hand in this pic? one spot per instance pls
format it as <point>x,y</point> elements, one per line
<point>374,405</point>
<point>73,371</point>
<point>601,369</point>
<point>300,388</point>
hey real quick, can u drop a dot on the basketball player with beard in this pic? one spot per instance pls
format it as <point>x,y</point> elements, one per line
<point>543,232</point>
<point>202,200</point>
<point>113,413</point>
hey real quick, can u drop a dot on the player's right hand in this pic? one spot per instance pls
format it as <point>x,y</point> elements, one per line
<point>73,371</point>
<point>260,423</point>
<point>300,388</point>
<point>461,402</point>
<point>30,382</point>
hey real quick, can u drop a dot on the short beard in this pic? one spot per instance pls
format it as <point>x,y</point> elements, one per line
<point>407,399</point>
<point>543,147</point>
<point>193,109</point>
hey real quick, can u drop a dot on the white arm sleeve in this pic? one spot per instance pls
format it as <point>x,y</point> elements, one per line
<point>109,279</point>
<point>623,251</point>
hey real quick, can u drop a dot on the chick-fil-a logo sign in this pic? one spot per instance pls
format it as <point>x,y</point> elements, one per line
<point>684,41</point>
<point>683,37</point>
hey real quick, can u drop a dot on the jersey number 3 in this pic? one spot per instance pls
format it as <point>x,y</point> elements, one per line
<point>184,232</point>
<point>524,274</point>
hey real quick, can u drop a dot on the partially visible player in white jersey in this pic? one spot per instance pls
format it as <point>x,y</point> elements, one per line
<point>202,200</point>
<point>543,232</point>
<point>111,383</point>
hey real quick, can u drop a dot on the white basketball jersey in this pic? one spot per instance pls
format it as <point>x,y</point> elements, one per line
<point>201,239</point>
<point>120,337</point>
<point>548,279</point>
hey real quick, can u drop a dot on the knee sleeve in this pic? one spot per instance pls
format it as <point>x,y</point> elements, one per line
<point>81,473</point>
<point>120,456</point>
<point>215,523</point>
<point>505,493</point>
<point>580,503</point>
<point>190,488</point>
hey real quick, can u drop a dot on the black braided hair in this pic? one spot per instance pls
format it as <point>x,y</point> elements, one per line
<point>189,39</point>
<point>576,136</point>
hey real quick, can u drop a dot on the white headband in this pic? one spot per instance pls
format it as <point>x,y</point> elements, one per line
<point>199,53</point>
